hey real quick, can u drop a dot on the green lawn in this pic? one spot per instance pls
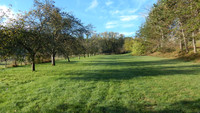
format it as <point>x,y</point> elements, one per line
<point>105,83</point>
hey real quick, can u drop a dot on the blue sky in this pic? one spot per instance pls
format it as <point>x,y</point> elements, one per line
<point>123,16</point>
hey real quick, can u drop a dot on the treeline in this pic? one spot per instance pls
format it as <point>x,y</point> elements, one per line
<point>172,25</point>
<point>107,43</point>
<point>46,32</point>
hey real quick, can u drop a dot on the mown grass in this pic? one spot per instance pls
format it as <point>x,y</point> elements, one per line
<point>102,84</point>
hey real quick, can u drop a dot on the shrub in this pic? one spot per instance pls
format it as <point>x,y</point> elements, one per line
<point>166,49</point>
<point>139,48</point>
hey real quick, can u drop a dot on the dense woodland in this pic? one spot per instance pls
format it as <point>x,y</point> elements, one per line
<point>172,25</point>
<point>46,32</point>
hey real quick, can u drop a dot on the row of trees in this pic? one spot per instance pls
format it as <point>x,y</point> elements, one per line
<point>46,32</point>
<point>41,32</point>
<point>171,24</point>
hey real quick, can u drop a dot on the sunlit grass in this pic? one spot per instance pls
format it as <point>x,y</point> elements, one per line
<point>105,83</point>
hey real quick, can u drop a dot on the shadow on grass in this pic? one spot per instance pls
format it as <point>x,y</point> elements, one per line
<point>81,108</point>
<point>66,62</point>
<point>106,75</point>
<point>178,107</point>
<point>135,63</point>
<point>131,70</point>
<point>184,106</point>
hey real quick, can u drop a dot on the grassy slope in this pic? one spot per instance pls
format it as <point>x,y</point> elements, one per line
<point>115,83</point>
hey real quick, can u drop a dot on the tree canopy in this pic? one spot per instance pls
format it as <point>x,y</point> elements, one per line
<point>46,31</point>
<point>171,23</point>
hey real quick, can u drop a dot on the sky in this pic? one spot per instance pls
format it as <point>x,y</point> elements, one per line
<point>123,16</point>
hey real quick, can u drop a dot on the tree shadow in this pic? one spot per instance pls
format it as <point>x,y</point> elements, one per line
<point>131,70</point>
<point>185,106</point>
<point>125,74</point>
<point>134,63</point>
<point>178,107</point>
<point>66,62</point>
<point>82,108</point>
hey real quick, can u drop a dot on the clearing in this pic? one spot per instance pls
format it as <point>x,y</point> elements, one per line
<point>104,83</point>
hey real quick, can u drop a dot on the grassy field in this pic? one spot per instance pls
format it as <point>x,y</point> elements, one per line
<point>101,84</point>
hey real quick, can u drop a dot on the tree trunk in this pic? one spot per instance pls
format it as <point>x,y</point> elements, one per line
<point>53,62</point>
<point>68,59</point>
<point>84,55</point>
<point>162,37</point>
<point>184,38</point>
<point>185,42</point>
<point>15,62</point>
<point>161,41</point>
<point>5,63</point>
<point>33,66</point>
<point>194,43</point>
<point>79,57</point>
<point>181,45</point>
<point>33,63</point>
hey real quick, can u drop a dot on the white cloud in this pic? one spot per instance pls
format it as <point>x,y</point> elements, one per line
<point>123,12</point>
<point>128,18</point>
<point>128,33</point>
<point>133,10</point>
<point>114,12</point>
<point>93,5</point>
<point>114,24</point>
<point>108,3</point>
<point>127,25</point>
<point>111,24</point>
